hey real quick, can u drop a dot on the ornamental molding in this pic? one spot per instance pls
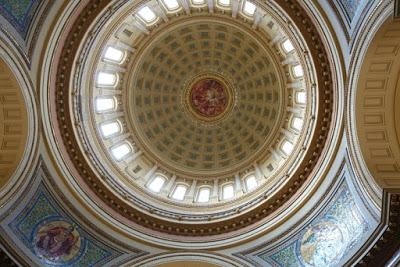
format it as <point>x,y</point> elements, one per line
<point>212,230</point>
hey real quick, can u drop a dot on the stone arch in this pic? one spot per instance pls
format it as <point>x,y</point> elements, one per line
<point>189,258</point>
<point>13,123</point>
<point>377,106</point>
<point>187,264</point>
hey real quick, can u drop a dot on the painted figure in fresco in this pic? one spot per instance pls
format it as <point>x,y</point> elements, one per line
<point>56,242</point>
<point>209,97</point>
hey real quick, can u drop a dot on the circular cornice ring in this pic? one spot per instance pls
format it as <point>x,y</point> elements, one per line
<point>322,119</point>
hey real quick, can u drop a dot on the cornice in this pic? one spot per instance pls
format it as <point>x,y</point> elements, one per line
<point>312,159</point>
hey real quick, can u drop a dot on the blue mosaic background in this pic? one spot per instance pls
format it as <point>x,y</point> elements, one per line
<point>42,210</point>
<point>19,13</point>
<point>329,238</point>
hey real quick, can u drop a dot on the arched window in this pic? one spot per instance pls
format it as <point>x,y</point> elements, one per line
<point>287,147</point>
<point>249,8</point>
<point>251,182</point>
<point>171,4</point>
<point>110,128</point>
<point>106,79</point>
<point>156,184</point>
<point>103,104</point>
<point>227,191</point>
<point>297,123</point>
<point>179,192</point>
<point>298,71</point>
<point>204,194</point>
<point>147,14</point>
<point>224,2</point>
<point>301,97</point>
<point>288,46</point>
<point>113,54</point>
<point>198,2</point>
<point>120,151</point>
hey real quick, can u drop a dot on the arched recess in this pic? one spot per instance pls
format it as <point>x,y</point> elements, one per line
<point>187,264</point>
<point>13,124</point>
<point>18,123</point>
<point>377,106</point>
<point>188,259</point>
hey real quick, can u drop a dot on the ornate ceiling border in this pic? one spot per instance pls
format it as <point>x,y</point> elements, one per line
<point>323,134</point>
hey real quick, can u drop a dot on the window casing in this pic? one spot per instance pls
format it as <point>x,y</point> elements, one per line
<point>301,97</point>
<point>146,14</point>
<point>287,147</point>
<point>156,184</point>
<point>109,129</point>
<point>224,3</point>
<point>204,195</point>
<point>287,46</point>
<point>171,5</point>
<point>114,55</point>
<point>107,79</point>
<point>121,151</point>
<point>297,123</point>
<point>251,182</point>
<point>199,2</point>
<point>179,192</point>
<point>228,191</point>
<point>298,71</point>
<point>104,104</point>
<point>249,8</point>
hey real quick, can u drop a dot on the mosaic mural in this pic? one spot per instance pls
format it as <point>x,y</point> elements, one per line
<point>54,238</point>
<point>328,239</point>
<point>350,7</point>
<point>19,13</point>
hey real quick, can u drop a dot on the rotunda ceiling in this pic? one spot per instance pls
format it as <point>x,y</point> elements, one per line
<point>205,97</point>
<point>195,120</point>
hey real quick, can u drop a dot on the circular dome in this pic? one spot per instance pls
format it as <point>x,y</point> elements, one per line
<point>205,97</point>
<point>163,137</point>
<point>194,121</point>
